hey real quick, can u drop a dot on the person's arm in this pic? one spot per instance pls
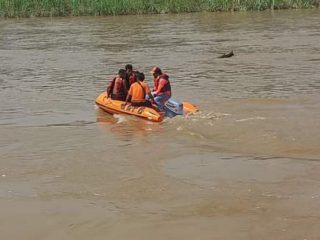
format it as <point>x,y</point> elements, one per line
<point>126,83</point>
<point>128,99</point>
<point>147,89</point>
<point>110,87</point>
<point>151,97</point>
<point>129,95</point>
<point>154,85</point>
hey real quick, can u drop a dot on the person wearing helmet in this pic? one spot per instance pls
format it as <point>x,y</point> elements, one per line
<point>162,87</point>
<point>131,76</point>
<point>138,92</point>
<point>117,88</point>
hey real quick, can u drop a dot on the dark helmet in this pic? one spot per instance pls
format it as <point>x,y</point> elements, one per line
<point>140,76</point>
<point>122,72</point>
<point>129,67</point>
<point>156,70</point>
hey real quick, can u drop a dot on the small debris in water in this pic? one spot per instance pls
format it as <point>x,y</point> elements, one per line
<point>97,194</point>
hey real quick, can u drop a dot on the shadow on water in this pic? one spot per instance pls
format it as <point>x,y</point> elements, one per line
<point>127,127</point>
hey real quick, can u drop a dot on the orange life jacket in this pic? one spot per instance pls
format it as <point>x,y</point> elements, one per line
<point>117,89</point>
<point>138,91</point>
<point>166,88</point>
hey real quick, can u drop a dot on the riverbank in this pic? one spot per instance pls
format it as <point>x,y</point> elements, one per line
<point>46,8</point>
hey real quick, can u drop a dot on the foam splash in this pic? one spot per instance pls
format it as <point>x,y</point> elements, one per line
<point>250,119</point>
<point>121,118</point>
<point>179,128</point>
<point>208,115</point>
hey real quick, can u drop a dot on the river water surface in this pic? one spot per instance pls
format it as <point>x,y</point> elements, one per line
<point>245,167</point>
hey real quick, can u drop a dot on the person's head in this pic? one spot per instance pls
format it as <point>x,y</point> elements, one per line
<point>156,71</point>
<point>122,73</point>
<point>140,76</point>
<point>129,68</point>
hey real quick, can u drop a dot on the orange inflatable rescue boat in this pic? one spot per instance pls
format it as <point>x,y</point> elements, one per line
<point>116,107</point>
<point>172,108</point>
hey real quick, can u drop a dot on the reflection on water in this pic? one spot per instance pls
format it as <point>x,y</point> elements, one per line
<point>125,127</point>
<point>245,167</point>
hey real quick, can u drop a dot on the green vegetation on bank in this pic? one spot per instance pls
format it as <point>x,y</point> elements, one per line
<point>28,8</point>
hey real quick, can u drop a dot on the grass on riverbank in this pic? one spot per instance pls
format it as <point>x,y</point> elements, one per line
<point>37,8</point>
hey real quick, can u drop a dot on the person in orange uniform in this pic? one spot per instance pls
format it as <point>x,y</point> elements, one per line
<point>162,87</point>
<point>131,74</point>
<point>138,92</point>
<point>118,88</point>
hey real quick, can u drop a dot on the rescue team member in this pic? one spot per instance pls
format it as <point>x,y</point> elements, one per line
<point>162,87</point>
<point>131,75</point>
<point>117,88</point>
<point>138,91</point>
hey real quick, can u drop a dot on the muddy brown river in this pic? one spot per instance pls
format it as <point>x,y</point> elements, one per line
<point>245,167</point>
